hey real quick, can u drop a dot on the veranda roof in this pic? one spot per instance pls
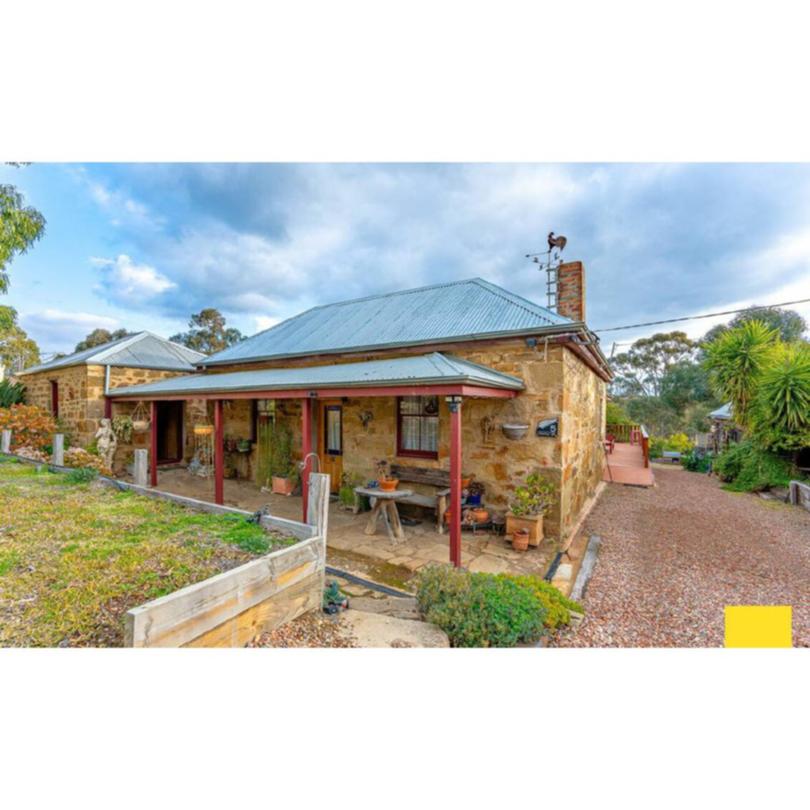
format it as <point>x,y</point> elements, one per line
<point>421,370</point>
<point>722,414</point>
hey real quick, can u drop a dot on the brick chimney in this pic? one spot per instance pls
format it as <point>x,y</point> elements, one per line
<point>571,291</point>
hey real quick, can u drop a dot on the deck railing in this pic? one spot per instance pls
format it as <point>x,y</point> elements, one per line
<point>622,433</point>
<point>645,444</point>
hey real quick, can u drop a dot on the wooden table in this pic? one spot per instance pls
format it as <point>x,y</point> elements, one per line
<point>384,503</point>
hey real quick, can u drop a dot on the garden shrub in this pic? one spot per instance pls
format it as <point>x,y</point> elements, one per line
<point>479,610</point>
<point>82,475</point>
<point>679,442</point>
<point>30,426</point>
<point>11,393</point>
<point>77,457</point>
<point>748,468</point>
<point>696,461</point>
<point>657,446</point>
<point>558,607</point>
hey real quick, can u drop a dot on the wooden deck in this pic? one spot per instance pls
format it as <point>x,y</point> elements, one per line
<point>625,465</point>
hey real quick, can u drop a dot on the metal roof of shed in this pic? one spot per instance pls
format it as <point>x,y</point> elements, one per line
<point>142,350</point>
<point>454,311</point>
<point>424,369</point>
<point>723,413</point>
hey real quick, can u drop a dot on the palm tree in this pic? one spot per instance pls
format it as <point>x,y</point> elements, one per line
<point>735,362</point>
<point>781,413</point>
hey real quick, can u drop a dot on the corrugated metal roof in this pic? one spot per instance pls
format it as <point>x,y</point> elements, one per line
<point>143,350</point>
<point>423,369</point>
<point>722,413</point>
<point>453,311</point>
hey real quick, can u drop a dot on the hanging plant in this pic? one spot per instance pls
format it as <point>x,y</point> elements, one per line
<point>122,428</point>
<point>141,418</point>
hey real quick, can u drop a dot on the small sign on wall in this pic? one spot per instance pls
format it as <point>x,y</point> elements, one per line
<point>548,428</point>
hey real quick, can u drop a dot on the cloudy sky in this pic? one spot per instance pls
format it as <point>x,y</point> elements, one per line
<point>142,246</point>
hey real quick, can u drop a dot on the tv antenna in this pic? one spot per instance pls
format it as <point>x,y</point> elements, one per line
<point>550,261</point>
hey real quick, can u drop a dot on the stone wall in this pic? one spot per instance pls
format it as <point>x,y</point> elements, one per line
<point>77,387</point>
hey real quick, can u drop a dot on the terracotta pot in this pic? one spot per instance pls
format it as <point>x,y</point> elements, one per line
<point>532,523</point>
<point>388,485</point>
<point>465,482</point>
<point>283,486</point>
<point>520,540</point>
<point>480,515</point>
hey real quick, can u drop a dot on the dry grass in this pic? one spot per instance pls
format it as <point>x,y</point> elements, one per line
<point>75,557</point>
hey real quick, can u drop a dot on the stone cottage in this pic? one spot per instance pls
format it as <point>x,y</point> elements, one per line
<point>75,388</point>
<point>462,379</point>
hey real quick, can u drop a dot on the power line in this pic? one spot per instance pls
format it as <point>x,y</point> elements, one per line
<point>696,317</point>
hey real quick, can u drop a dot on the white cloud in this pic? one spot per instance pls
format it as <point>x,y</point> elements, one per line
<point>263,322</point>
<point>126,282</point>
<point>57,330</point>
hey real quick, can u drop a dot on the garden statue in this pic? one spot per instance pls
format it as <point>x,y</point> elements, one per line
<point>106,442</point>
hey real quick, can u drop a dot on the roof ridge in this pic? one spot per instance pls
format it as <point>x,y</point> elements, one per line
<point>514,298</point>
<point>394,293</point>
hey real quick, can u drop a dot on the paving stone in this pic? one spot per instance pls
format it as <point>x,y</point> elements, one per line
<point>378,630</point>
<point>488,564</point>
<point>564,571</point>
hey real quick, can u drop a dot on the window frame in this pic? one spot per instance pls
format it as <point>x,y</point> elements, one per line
<point>407,453</point>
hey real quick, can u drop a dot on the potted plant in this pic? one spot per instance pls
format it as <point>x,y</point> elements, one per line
<point>474,493</point>
<point>532,500</point>
<point>243,445</point>
<point>520,540</point>
<point>283,471</point>
<point>385,481</point>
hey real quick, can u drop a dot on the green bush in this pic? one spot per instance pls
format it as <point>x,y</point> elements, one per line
<point>695,461</point>
<point>558,607</point>
<point>81,475</point>
<point>679,442</point>
<point>657,444</point>
<point>748,468</point>
<point>11,393</point>
<point>479,610</point>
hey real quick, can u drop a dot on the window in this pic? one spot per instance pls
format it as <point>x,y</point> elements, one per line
<point>55,399</point>
<point>418,427</point>
<point>333,437</point>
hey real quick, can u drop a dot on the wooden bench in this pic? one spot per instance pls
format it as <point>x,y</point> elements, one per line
<point>430,477</point>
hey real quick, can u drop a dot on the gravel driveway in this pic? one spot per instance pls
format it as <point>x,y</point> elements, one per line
<point>674,556</point>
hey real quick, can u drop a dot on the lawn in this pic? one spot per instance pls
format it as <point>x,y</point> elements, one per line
<point>75,556</point>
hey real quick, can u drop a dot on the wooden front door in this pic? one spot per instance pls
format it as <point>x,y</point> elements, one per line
<point>330,443</point>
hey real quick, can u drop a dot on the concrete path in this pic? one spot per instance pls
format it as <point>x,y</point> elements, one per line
<point>672,557</point>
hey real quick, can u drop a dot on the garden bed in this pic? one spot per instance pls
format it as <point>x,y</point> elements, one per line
<point>76,556</point>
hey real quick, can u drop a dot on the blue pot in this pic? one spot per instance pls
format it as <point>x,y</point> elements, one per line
<point>474,500</point>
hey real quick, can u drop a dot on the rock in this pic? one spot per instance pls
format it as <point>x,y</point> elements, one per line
<point>399,607</point>
<point>576,618</point>
<point>378,630</point>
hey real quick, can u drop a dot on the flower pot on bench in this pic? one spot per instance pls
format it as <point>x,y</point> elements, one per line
<point>532,523</point>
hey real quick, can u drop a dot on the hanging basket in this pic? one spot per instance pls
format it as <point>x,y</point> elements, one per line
<point>203,430</point>
<point>140,419</point>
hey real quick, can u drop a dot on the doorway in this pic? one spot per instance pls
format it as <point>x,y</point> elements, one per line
<point>330,444</point>
<point>169,432</point>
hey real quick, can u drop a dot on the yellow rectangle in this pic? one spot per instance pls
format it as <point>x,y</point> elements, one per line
<point>759,626</point>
